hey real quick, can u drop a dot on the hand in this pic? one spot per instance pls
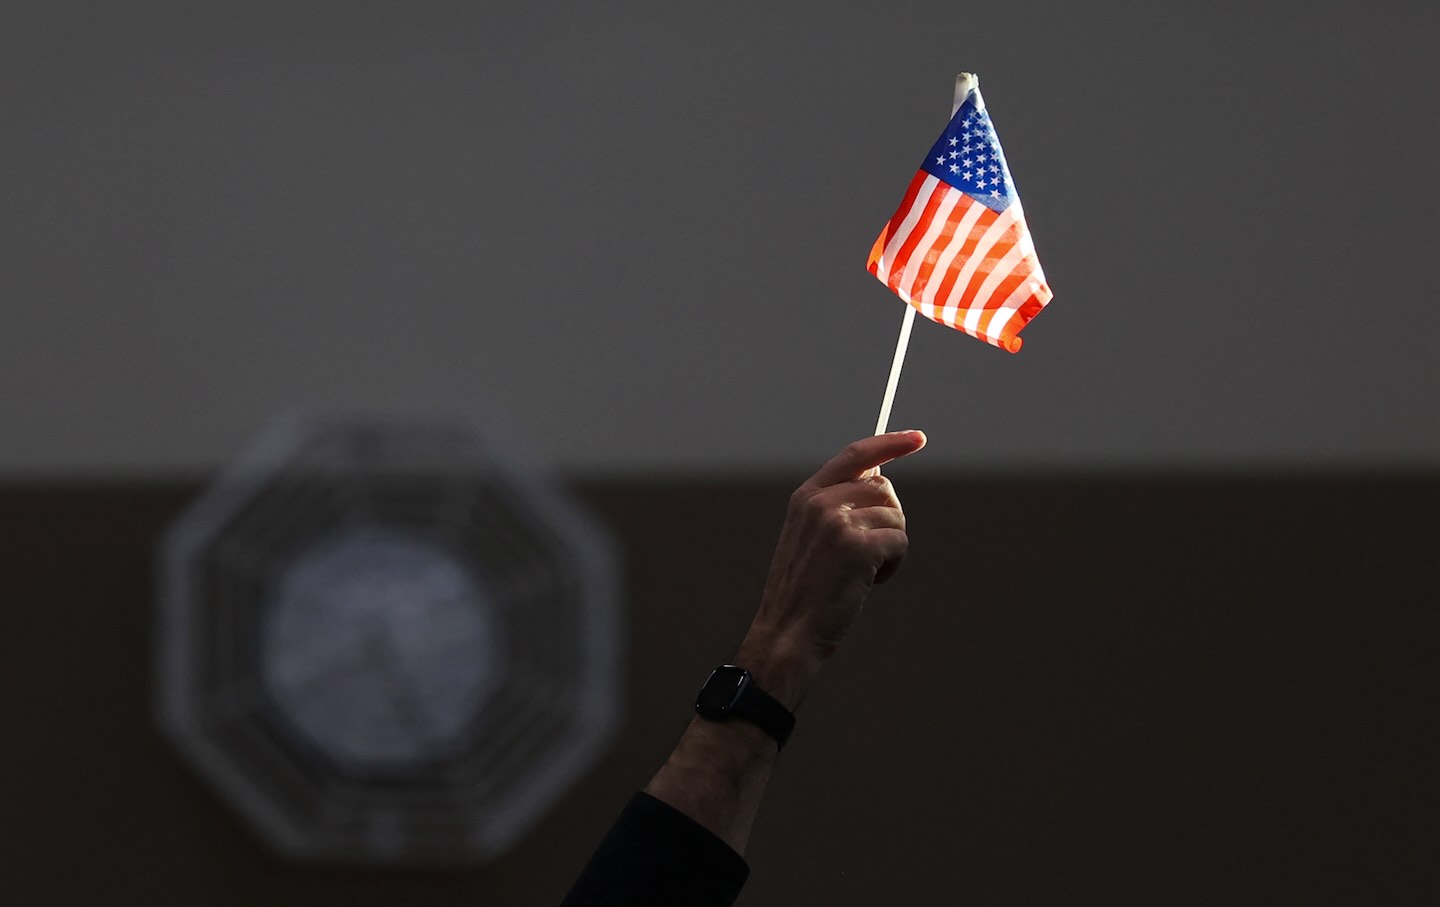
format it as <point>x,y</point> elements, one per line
<point>844,532</point>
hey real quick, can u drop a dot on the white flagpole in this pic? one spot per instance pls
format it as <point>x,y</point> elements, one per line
<point>964,82</point>
<point>895,365</point>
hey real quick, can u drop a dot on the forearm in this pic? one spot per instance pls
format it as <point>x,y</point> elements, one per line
<point>718,772</point>
<point>843,532</point>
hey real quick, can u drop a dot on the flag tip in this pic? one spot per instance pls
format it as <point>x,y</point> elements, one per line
<point>965,83</point>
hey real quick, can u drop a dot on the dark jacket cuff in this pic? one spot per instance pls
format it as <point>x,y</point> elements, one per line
<point>656,855</point>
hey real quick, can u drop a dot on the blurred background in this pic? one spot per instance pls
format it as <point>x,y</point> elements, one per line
<point>1168,631</point>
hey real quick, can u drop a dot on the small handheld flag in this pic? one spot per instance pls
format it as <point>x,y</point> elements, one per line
<point>958,249</point>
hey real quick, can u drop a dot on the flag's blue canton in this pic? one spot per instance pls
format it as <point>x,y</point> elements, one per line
<point>967,156</point>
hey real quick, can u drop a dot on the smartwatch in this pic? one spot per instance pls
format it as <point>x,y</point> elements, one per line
<point>731,693</point>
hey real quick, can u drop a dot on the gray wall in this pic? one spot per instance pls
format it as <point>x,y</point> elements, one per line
<point>637,232</point>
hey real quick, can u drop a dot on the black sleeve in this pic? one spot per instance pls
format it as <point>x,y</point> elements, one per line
<point>657,855</point>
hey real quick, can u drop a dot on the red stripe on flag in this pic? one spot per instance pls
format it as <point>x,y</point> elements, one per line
<point>967,249</point>
<point>873,264</point>
<point>896,220</point>
<point>1003,244</point>
<point>900,267</point>
<point>981,259</point>
<point>997,299</point>
<point>931,254</point>
<point>1030,308</point>
<point>1027,310</point>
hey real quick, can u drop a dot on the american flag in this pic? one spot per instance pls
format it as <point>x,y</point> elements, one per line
<point>958,249</point>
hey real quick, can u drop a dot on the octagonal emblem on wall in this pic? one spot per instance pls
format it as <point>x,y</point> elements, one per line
<point>387,641</point>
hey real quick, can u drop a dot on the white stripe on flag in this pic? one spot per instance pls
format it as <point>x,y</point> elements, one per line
<point>1029,286</point>
<point>927,242</point>
<point>1003,270</point>
<point>892,248</point>
<point>993,234</point>
<point>972,213</point>
<point>1032,285</point>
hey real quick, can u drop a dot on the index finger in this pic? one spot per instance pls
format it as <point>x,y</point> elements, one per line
<point>859,457</point>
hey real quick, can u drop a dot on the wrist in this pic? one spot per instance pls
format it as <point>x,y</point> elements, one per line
<point>778,666</point>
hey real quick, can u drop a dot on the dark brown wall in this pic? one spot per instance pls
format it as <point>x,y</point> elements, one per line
<point>1166,690</point>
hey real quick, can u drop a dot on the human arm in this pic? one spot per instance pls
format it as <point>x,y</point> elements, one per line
<point>844,532</point>
<point>680,842</point>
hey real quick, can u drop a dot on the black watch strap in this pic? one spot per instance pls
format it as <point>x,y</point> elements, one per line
<point>732,693</point>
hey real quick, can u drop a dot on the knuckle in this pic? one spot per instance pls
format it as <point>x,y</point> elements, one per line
<point>802,499</point>
<point>879,488</point>
<point>833,521</point>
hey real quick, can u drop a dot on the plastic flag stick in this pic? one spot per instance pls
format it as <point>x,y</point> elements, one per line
<point>895,366</point>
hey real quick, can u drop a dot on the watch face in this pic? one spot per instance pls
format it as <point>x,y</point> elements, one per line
<point>721,690</point>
